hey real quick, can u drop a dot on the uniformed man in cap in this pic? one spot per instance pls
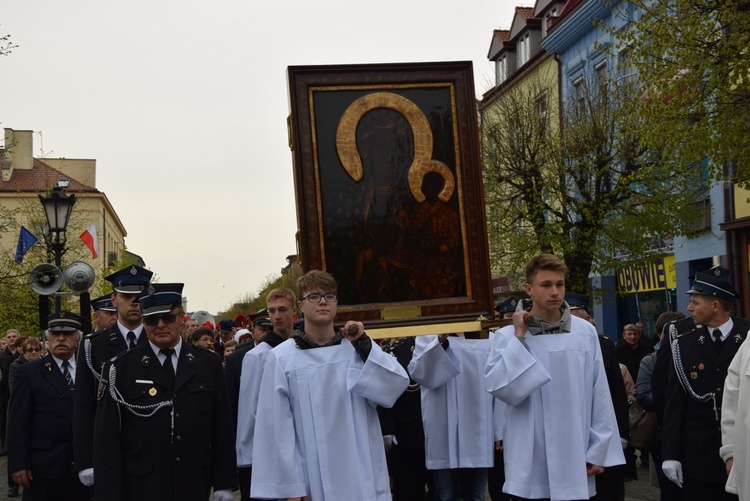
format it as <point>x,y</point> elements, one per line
<point>99,347</point>
<point>163,431</point>
<point>40,413</point>
<point>105,313</point>
<point>702,348</point>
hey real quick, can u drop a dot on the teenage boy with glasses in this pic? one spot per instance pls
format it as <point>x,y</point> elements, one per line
<point>318,436</point>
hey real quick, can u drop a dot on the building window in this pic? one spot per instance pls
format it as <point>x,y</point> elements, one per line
<point>579,94</point>
<point>501,69</point>
<point>523,49</point>
<point>547,18</point>
<point>542,110</point>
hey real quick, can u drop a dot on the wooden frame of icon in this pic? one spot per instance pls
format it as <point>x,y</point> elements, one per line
<point>389,189</point>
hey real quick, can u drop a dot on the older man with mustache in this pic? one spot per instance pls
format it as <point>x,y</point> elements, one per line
<point>40,413</point>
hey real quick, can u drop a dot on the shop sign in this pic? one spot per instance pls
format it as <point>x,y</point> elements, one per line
<point>644,277</point>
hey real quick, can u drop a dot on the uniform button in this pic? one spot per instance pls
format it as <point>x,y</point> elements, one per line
<point>176,416</point>
<point>718,370</point>
<point>177,459</point>
<point>178,438</point>
<point>718,390</point>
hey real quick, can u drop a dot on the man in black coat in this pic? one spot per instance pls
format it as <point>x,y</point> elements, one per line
<point>98,348</point>
<point>40,413</point>
<point>610,484</point>
<point>703,348</point>
<point>163,431</point>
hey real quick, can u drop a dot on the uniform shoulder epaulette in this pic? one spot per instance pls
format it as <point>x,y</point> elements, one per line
<point>119,356</point>
<point>681,328</point>
<point>92,335</point>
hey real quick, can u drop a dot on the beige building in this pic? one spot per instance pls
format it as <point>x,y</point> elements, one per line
<point>24,177</point>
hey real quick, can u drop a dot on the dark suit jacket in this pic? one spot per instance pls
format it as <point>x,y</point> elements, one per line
<point>691,429</point>
<point>232,374</point>
<point>40,417</point>
<point>172,454</point>
<point>104,346</point>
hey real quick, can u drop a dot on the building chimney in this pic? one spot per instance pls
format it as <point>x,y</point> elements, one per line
<point>17,153</point>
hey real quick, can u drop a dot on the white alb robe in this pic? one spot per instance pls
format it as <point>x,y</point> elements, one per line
<point>560,413</point>
<point>457,412</point>
<point>735,423</point>
<point>317,432</point>
<point>252,372</point>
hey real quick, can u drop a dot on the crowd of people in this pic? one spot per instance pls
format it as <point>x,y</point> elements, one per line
<point>281,404</point>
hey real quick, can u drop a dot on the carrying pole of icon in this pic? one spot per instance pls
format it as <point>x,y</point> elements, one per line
<point>47,279</point>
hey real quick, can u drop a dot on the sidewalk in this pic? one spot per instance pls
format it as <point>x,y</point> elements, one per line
<point>638,490</point>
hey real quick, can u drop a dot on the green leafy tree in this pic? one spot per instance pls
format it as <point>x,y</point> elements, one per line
<point>579,184</point>
<point>691,56</point>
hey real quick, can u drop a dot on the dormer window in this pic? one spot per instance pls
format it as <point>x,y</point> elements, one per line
<point>524,49</point>
<point>501,69</point>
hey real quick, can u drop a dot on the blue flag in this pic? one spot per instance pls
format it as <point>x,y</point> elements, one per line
<point>25,241</point>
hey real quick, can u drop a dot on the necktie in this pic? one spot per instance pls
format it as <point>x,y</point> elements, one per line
<point>66,374</point>
<point>131,340</point>
<point>717,339</point>
<point>168,367</point>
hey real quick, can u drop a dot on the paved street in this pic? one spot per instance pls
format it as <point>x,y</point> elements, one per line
<point>639,490</point>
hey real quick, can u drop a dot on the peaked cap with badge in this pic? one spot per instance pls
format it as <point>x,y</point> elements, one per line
<point>160,298</point>
<point>507,306</point>
<point>130,280</point>
<point>261,318</point>
<point>714,282</point>
<point>103,303</point>
<point>63,321</point>
<point>577,301</point>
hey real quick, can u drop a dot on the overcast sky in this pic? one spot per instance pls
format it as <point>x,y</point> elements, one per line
<point>183,104</point>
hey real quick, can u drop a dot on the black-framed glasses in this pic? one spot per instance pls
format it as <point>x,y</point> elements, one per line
<point>330,297</point>
<point>153,321</point>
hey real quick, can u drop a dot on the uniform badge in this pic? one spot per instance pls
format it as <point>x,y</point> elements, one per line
<point>701,366</point>
<point>701,339</point>
<point>693,375</point>
<point>48,365</point>
<point>145,360</point>
<point>134,271</point>
<point>152,391</point>
<point>737,339</point>
<point>190,357</point>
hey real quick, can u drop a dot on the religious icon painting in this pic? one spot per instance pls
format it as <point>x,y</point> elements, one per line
<point>389,189</point>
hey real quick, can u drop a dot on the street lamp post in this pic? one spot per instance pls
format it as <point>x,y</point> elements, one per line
<point>57,207</point>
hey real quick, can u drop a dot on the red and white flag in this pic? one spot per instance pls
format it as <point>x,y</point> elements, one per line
<point>89,238</point>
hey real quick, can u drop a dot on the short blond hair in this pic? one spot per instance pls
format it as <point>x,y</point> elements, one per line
<point>548,262</point>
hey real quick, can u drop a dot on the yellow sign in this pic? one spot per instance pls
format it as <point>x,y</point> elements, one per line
<point>644,277</point>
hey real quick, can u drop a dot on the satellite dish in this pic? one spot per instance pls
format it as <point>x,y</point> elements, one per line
<point>45,279</point>
<point>79,276</point>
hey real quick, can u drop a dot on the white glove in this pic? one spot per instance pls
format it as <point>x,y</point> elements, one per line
<point>86,477</point>
<point>225,495</point>
<point>389,441</point>
<point>673,470</point>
